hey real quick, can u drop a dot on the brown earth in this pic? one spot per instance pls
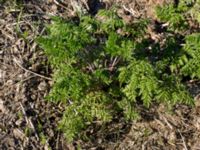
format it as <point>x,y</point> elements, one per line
<point>28,121</point>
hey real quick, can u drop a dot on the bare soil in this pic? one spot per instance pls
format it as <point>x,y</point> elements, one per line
<point>28,121</point>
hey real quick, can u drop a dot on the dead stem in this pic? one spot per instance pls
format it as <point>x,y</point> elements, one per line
<point>39,75</point>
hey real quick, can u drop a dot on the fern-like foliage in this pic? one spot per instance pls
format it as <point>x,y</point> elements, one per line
<point>140,80</point>
<point>84,56</point>
<point>178,16</point>
<point>190,62</point>
<point>101,67</point>
<point>174,16</point>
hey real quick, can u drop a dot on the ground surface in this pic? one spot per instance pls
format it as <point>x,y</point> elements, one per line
<point>27,121</point>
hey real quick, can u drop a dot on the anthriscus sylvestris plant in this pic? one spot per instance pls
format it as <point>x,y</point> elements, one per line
<point>102,67</point>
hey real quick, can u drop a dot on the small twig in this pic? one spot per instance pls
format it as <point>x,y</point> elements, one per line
<point>165,24</point>
<point>131,11</point>
<point>34,130</point>
<point>90,67</point>
<point>39,75</point>
<point>57,141</point>
<point>56,2</point>
<point>61,5</point>
<point>193,80</point>
<point>115,61</point>
<point>86,5</point>
<point>28,121</point>
<point>7,35</point>
<point>77,6</point>
<point>24,112</point>
<point>166,121</point>
<point>184,144</point>
<point>160,122</point>
<point>20,133</point>
<point>26,79</point>
<point>143,145</point>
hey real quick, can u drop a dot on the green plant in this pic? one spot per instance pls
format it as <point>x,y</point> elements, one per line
<point>177,16</point>
<point>172,15</point>
<point>188,63</point>
<point>103,67</point>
